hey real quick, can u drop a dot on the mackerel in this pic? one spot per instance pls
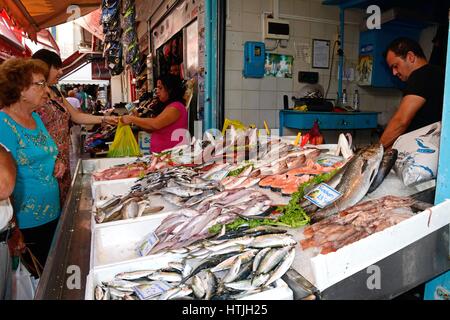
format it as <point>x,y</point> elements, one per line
<point>271,259</point>
<point>282,268</point>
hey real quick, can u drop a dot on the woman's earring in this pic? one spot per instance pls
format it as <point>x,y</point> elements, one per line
<point>23,98</point>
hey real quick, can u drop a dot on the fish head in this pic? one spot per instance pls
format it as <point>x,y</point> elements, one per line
<point>371,158</point>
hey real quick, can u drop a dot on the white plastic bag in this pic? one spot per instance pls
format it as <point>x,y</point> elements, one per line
<point>418,154</point>
<point>24,284</point>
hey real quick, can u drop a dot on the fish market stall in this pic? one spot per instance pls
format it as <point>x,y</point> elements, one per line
<point>232,229</point>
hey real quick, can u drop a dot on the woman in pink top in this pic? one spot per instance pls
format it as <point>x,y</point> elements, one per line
<point>169,128</point>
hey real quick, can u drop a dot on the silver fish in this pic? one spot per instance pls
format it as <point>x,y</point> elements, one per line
<point>176,200</point>
<point>271,259</point>
<point>272,240</point>
<point>243,285</point>
<point>198,287</point>
<point>260,280</point>
<point>359,175</point>
<point>134,275</point>
<point>184,292</point>
<point>258,258</point>
<point>121,284</point>
<point>166,276</point>
<point>99,293</point>
<point>130,210</point>
<point>211,285</point>
<point>282,268</point>
<point>182,192</point>
<point>233,272</point>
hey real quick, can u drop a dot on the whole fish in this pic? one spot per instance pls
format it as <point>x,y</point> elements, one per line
<point>258,258</point>
<point>130,210</point>
<point>386,165</point>
<point>166,276</point>
<point>271,259</point>
<point>272,240</point>
<point>359,175</point>
<point>282,268</point>
<point>182,191</point>
<point>198,287</point>
<point>211,285</point>
<point>134,275</point>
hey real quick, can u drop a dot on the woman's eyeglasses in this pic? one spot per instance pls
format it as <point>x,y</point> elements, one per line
<point>41,84</point>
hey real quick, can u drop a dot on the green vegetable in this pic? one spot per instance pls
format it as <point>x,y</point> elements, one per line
<point>238,171</point>
<point>293,214</point>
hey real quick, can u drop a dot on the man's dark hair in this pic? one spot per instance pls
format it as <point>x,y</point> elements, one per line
<point>174,87</point>
<point>52,59</point>
<point>401,47</point>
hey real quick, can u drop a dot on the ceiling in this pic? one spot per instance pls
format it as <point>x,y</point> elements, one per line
<point>34,15</point>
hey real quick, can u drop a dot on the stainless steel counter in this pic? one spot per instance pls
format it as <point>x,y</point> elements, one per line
<point>64,276</point>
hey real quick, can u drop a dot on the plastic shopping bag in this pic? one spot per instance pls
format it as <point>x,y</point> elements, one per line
<point>124,144</point>
<point>24,284</point>
<point>418,154</point>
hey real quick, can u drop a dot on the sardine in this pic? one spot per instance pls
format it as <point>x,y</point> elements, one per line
<point>211,285</point>
<point>134,275</point>
<point>242,285</point>
<point>99,293</point>
<point>233,272</point>
<point>166,276</point>
<point>258,258</point>
<point>198,287</point>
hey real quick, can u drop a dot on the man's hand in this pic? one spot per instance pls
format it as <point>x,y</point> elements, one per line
<point>60,168</point>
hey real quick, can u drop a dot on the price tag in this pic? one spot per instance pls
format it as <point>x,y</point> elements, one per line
<point>149,291</point>
<point>323,195</point>
<point>329,161</point>
<point>147,245</point>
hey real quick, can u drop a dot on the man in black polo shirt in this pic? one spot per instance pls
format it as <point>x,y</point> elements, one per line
<point>423,96</point>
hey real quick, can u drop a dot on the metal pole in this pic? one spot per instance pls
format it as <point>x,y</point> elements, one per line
<point>341,57</point>
<point>210,105</point>
<point>442,183</point>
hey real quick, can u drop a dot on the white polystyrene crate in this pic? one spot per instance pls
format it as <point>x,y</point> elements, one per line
<point>323,271</point>
<point>155,201</point>
<point>93,165</point>
<point>98,275</point>
<point>101,189</point>
<point>117,241</point>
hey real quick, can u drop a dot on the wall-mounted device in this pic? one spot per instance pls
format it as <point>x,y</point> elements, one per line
<point>308,77</point>
<point>254,59</point>
<point>275,29</point>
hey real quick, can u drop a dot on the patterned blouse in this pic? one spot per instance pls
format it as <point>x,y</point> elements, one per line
<point>56,119</point>
<point>36,193</point>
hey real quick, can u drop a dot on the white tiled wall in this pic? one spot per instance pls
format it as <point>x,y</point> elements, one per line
<point>255,100</point>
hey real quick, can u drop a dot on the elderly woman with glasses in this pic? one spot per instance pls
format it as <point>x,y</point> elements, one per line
<point>35,197</point>
<point>57,114</point>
